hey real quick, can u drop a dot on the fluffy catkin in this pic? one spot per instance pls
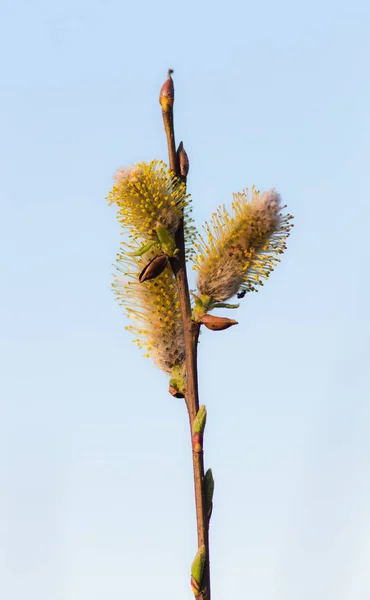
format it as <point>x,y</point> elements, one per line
<point>146,195</point>
<point>154,308</point>
<point>241,249</point>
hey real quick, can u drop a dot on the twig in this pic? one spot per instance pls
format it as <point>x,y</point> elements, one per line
<point>191,335</point>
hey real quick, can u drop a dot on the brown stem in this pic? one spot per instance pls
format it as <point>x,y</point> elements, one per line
<point>191,335</point>
<point>170,134</point>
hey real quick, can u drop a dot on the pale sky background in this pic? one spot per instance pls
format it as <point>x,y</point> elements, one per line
<point>96,494</point>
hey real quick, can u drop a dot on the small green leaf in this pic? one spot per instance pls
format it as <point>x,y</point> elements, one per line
<point>197,567</point>
<point>143,249</point>
<point>198,301</point>
<point>223,305</point>
<point>202,304</point>
<point>166,239</point>
<point>200,420</point>
<point>209,486</point>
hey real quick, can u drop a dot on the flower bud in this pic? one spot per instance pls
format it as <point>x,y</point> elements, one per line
<point>154,268</point>
<point>216,323</point>
<point>167,93</point>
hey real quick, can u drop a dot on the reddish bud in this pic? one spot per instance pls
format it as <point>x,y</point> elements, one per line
<point>167,93</point>
<point>216,323</point>
<point>197,442</point>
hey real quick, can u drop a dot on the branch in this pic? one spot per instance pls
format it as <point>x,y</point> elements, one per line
<point>191,335</point>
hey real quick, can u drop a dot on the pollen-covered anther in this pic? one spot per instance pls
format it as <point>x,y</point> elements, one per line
<point>216,323</point>
<point>154,268</point>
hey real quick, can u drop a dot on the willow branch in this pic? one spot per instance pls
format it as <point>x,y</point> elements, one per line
<point>191,335</point>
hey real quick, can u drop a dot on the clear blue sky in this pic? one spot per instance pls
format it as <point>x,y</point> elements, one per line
<point>95,472</point>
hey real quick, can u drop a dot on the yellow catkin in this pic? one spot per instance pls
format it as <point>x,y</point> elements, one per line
<point>147,195</point>
<point>242,248</point>
<point>154,309</point>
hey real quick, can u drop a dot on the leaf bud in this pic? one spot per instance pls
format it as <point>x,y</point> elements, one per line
<point>154,268</point>
<point>183,161</point>
<point>167,93</point>
<point>216,323</point>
